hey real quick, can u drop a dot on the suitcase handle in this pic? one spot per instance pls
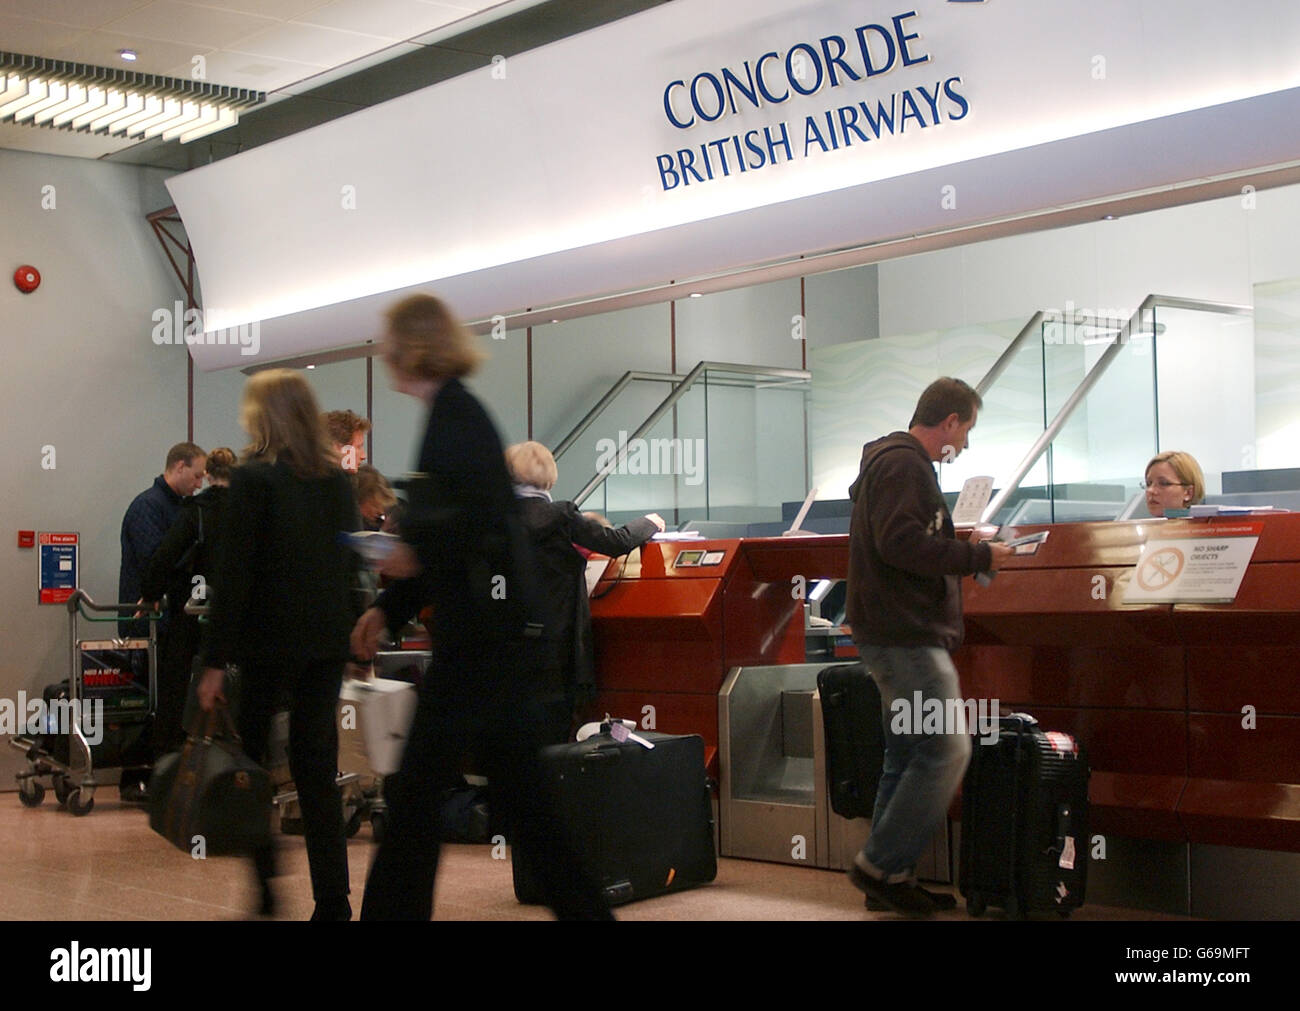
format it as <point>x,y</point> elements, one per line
<point>603,754</point>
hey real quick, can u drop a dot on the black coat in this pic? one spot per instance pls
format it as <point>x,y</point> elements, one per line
<point>463,523</point>
<point>554,528</point>
<point>196,533</point>
<point>283,584</point>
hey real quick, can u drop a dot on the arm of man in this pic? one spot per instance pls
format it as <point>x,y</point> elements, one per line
<point>902,519</point>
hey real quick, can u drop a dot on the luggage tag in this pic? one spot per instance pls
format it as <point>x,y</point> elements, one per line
<point>621,734</point>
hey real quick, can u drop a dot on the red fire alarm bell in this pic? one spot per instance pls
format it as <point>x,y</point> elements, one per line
<point>27,538</point>
<point>27,279</point>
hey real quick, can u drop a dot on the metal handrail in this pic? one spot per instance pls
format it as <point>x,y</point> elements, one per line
<point>679,391</point>
<point>1092,378</point>
<point>626,380</point>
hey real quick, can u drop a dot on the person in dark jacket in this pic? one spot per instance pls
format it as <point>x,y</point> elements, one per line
<point>184,565</point>
<point>149,517</point>
<point>283,608</point>
<point>904,607</point>
<point>465,552</point>
<point>555,529</point>
<point>144,525</point>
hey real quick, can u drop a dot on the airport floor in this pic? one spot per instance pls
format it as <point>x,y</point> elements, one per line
<point>108,865</point>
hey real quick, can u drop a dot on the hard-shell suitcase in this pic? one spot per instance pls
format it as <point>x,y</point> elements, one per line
<point>855,738</point>
<point>1024,829</point>
<point>643,817</point>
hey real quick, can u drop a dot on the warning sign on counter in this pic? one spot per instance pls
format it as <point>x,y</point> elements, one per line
<point>1203,569</point>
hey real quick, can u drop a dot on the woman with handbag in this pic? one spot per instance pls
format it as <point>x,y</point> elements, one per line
<point>284,611</point>
<point>464,551</point>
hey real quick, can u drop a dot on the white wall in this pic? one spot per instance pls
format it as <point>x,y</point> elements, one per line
<point>81,374</point>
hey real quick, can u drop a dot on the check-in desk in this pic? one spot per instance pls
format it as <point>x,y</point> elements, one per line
<point>667,632</point>
<point>1190,712</point>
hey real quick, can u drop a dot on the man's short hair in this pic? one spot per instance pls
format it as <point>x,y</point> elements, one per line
<point>343,426</point>
<point>182,452</point>
<point>532,463</point>
<point>943,397</point>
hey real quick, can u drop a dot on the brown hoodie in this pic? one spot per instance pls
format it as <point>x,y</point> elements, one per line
<point>905,565</point>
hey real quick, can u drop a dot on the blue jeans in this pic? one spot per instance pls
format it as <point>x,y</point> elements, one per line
<point>921,770</point>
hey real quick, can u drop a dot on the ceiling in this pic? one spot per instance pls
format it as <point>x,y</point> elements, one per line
<point>315,59</point>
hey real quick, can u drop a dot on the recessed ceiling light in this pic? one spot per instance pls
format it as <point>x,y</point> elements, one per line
<point>130,55</point>
<point>311,366</point>
<point>1108,217</point>
<point>697,294</point>
<point>555,321</point>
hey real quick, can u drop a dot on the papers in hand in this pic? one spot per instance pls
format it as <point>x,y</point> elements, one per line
<point>975,495</point>
<point>372,545</point>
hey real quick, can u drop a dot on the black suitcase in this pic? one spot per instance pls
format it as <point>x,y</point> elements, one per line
<point>643,817</point>
<point>855,738</point>
<point>125,740</point>
<point>1024,827</point>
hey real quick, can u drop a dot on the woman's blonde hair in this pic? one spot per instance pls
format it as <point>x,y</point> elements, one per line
<point>1187,469</point>
<point>425,341</point>
<point>532,463</point>
<point>280,414</point>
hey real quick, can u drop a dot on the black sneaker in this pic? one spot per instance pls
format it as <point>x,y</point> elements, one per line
<point>901,897</point>
<point>943,901</point>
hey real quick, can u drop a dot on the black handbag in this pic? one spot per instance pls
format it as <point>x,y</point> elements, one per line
<point>209,798</point>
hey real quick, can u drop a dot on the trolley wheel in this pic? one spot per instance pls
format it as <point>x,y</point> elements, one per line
<point>61,789</point>
<point>30,792</point>
<point>378,825</point>
<point>76,806</point>
<point>353,825</point>
<point>975,904</point>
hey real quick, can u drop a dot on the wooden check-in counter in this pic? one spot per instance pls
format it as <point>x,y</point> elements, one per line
<point>1190,712</point>
<point>677,616</point>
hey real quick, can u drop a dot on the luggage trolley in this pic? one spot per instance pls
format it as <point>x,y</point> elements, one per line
<point>117,678</point>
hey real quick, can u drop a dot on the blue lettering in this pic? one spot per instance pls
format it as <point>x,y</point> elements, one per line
<point>740,154</point>
<point>811,134</point>
<point>850,122</point>
<point>722,156</point>
<point>903,40</point>
<point>834,60</point>
<point>751,142</point>
<point>955,97</point>
<point>665,170</point>
<point>910,109</point>
<point>762,87</point>
<point>872,70</point>
<point>880,117</point>
<point>794,78</point>
<point>695,97</point>
<point>668,107</point>
<point>731,79</point>
<point>931,101</point>
<point>686,159</point>
<point>773,144</point>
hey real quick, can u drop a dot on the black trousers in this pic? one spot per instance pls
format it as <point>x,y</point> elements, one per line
<point>480,707</point>
<point>310,688</point>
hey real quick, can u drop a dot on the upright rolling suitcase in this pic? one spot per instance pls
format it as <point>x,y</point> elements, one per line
<point>855,738</point>
<point>644,817</point>
<point>1024,829</point>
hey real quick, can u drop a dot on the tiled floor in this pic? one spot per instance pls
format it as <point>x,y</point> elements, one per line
<point>108,865</point>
